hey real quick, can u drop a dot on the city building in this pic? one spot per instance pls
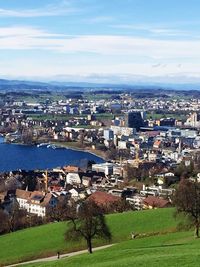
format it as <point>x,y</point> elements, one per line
<point>167,122</point>
<point>117,130</point>
<point>193,120</point>
<point>108,134</point>
<point>134,119</point>
<point>106,168</point>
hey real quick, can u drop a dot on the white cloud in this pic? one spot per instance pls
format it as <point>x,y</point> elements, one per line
<point>153,29</point>
<point>62,8</point>
<point>20,32</point>
<point>146,48</point>
<point>159,57</point>
<point>110,72</point>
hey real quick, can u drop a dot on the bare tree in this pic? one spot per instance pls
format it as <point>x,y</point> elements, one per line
<point>3,222</point>
<point>81,138</point>
<point>17,218</point>
<point>27,136</point>
<point>187,200</point>
<point>87,222</point>
<point>60,211</point>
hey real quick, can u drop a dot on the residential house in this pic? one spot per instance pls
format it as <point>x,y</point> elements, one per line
<point>35,202</point>
<point>77,193</point>
<point>103,198</point>
<point>152,202</point>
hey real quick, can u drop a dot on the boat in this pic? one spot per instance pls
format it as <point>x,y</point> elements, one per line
<point>43,144</point>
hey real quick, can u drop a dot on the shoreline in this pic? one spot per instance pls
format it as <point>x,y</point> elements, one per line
<point>96,153</point>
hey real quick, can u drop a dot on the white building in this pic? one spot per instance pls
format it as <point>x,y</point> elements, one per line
<point>108,134</point>
<point>74,193</point>
<point>35,202</point>
<point>193,120</point>
<point>122,145</point>
<point>106,168</point>
<point>122,130</point>
<point>73,178</point>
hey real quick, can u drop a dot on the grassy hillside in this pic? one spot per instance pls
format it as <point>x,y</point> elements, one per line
<point>46,240</point>
<point>169,250</point>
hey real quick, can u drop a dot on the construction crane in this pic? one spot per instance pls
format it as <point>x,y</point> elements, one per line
<point>45,180</point>
<point>137,160</point>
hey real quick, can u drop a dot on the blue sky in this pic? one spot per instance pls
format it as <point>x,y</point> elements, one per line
<point>100,40</point>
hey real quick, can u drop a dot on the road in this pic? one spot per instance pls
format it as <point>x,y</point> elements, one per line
<point>61,256</point>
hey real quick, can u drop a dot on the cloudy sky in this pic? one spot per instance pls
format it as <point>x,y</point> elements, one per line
<point>100,40</point>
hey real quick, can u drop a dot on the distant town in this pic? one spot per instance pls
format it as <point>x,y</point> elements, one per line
<point>148,140</point>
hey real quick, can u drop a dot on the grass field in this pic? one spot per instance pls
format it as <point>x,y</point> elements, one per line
<point>92,96</point>
<point>156,116</point>
<point>169,250</point>
<point>105,116</point>
<point>63,117</point>
<point>46,240</point>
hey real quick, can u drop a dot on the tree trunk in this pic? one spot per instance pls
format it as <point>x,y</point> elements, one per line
<point>89,245</point>
<point>197,229</point>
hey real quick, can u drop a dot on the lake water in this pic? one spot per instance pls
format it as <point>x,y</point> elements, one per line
<point>14,157</point>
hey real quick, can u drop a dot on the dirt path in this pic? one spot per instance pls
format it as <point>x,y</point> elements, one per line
<point>61,256</point>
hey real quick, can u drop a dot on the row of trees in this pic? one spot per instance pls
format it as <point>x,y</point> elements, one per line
<point>17,219</point>
<point>61,211</point>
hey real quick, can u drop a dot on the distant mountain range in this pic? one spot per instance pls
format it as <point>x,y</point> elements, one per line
<point>55,85</point>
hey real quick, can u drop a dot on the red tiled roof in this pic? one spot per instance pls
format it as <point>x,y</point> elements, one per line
<point>152,133</point>
<point>23,194</point>
<point>157,143</point>
<point>71,168</point>
<point>103,198</point>
<point>156,202</point>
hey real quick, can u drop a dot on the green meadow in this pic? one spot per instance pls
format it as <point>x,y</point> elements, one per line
<point>179,249</point>
<point>46,240</point>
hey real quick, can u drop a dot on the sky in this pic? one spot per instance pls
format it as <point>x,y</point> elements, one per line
<point>100,40</point>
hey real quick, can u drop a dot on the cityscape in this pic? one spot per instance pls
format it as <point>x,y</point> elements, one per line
<point>99,133</point>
